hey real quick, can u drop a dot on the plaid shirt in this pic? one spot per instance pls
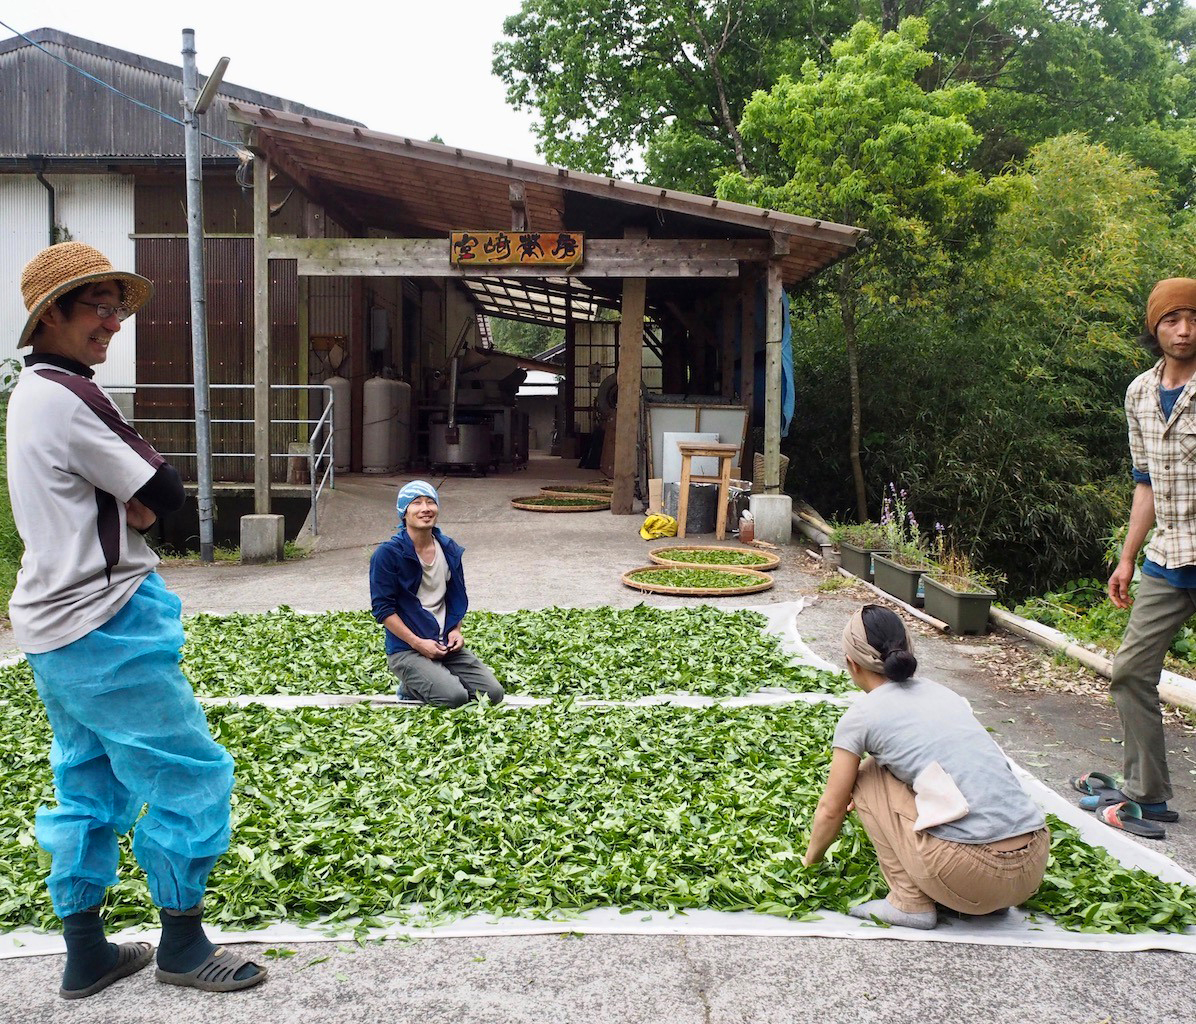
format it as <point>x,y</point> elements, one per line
<point>1165,452</point>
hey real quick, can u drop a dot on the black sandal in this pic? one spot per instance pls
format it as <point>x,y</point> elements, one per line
<point>130,958</point>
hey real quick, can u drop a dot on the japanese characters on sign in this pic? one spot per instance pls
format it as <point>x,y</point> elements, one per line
<point>515,248</point>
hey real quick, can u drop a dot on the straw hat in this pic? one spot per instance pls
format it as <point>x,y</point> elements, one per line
<point>55,271</point>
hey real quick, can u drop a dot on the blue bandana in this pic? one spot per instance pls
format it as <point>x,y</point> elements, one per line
<point>409,492</point>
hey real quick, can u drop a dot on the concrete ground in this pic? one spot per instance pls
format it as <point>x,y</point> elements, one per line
<point>1054,718</point>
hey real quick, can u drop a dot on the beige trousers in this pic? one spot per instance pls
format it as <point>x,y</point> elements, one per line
<point>923,870</point>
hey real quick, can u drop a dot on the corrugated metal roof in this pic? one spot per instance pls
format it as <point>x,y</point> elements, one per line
<point>52,111</point>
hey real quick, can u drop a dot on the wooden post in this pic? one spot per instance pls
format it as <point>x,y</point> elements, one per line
<point>261,336</point>
<point>772,381</point>
<point>728,352</point>
<point>358,367</point>
<point>304,371</point>
<point>570,407</point>
<point>747,368</point>
<point>627,412</point>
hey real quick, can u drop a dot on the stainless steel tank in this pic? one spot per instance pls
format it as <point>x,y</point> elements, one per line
<point>465,444</point>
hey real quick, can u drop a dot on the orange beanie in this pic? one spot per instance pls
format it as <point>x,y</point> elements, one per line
<point>1168,296</point>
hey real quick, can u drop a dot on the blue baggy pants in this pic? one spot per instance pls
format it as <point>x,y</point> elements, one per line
<point>129,732</point>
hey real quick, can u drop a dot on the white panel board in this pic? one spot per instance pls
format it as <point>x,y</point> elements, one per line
<point>671,459</point>
<point>94,208</point>
<point>24,231</point>
<point>728,423</point>
<point>98,209</point>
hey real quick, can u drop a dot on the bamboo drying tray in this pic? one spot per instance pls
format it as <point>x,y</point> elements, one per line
<point>662,556</point>
<point>576,490</point>
<point>582,505</point>
<point>753,581</point>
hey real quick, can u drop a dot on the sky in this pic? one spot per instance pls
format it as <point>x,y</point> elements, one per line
<point>408,67</point>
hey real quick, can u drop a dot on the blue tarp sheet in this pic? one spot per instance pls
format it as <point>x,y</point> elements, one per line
<point>788,391</point>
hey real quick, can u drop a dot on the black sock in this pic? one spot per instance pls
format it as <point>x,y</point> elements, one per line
<point>89,955</point>
<point>184,945</point>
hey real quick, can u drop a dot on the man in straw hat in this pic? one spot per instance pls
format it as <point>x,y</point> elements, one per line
<point>103,634</point>
<point>1162,430</point>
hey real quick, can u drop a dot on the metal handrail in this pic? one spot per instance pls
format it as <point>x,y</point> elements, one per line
<point>315,459</point>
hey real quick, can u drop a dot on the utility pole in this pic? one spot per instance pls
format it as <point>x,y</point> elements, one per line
<point>194,105</point>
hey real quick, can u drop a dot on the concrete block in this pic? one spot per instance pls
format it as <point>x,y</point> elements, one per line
<point>774,517</point>
<point>262,539</point>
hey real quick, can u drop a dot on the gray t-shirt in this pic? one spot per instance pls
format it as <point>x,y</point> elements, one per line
<point>433,587</point>
<point>908,726</point>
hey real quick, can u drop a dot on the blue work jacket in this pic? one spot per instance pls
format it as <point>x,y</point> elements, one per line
<point>395,576</point>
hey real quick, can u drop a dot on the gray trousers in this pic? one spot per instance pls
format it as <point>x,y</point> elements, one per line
<point>449,682</point>
<point>1159,611</point>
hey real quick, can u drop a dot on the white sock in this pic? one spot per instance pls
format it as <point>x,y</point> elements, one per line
<point>883,910</point>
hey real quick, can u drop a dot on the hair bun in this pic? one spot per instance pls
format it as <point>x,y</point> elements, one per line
<point>900,664</point>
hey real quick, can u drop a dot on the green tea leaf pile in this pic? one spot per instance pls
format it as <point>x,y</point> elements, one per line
<point>601,653</point>
<point>723,556</point>
<point>371,813</point>
<point>365,812</point>
<point>694,579</point>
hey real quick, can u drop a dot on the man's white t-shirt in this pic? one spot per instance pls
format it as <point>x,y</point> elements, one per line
<point>73,463</point>
<point>434,586</point>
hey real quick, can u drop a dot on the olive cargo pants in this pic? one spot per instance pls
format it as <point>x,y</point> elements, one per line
<point>1159,611</point>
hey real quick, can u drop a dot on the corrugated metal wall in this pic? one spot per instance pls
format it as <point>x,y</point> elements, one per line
<point>165,352</point>
<point>94,208</point>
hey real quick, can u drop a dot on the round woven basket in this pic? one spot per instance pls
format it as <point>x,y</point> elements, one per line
<point>525,503</point>
<point>577,491</point>
<point>753,582</point>
<point>675,556</point>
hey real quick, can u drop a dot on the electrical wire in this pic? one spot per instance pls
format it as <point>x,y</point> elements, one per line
<point>113,88</point>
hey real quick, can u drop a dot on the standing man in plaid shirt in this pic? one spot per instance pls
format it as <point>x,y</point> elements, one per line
<point>1162,427</point>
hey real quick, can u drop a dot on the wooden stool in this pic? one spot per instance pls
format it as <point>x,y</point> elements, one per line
<point>708,449</point>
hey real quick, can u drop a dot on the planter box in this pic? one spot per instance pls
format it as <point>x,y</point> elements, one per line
<point>966,612</point>
<point>903,583</point>
<point>857,560</point>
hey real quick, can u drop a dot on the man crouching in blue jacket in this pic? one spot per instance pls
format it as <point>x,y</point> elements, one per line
<point>417,590</point>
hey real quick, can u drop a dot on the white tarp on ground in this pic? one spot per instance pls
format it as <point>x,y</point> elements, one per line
<point>1017,928</point>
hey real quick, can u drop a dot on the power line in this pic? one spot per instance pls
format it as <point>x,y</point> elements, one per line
<point>113,88</point>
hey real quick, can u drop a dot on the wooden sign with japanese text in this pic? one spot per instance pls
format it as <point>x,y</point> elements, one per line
<point>515,248</point>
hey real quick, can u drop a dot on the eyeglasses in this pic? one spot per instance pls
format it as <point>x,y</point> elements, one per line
<point>104,311</point>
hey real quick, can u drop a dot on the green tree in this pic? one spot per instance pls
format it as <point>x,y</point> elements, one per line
<point>665,80</point>
<point>663,83</point>
<point>520,339</point>
<point>998,401</point>
<point>859,141</point>
<point>1115,69</point>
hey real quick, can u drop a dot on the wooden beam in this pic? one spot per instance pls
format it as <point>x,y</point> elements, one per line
<point>419,249</point>
<point>627,412</point>
<point>518,200</point>
<point>593,268</point>
<point>772,381</point>
<point>429,257</point>
<point>261,336</point>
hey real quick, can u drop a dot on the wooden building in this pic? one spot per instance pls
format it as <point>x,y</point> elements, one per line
<point>680,271</point>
